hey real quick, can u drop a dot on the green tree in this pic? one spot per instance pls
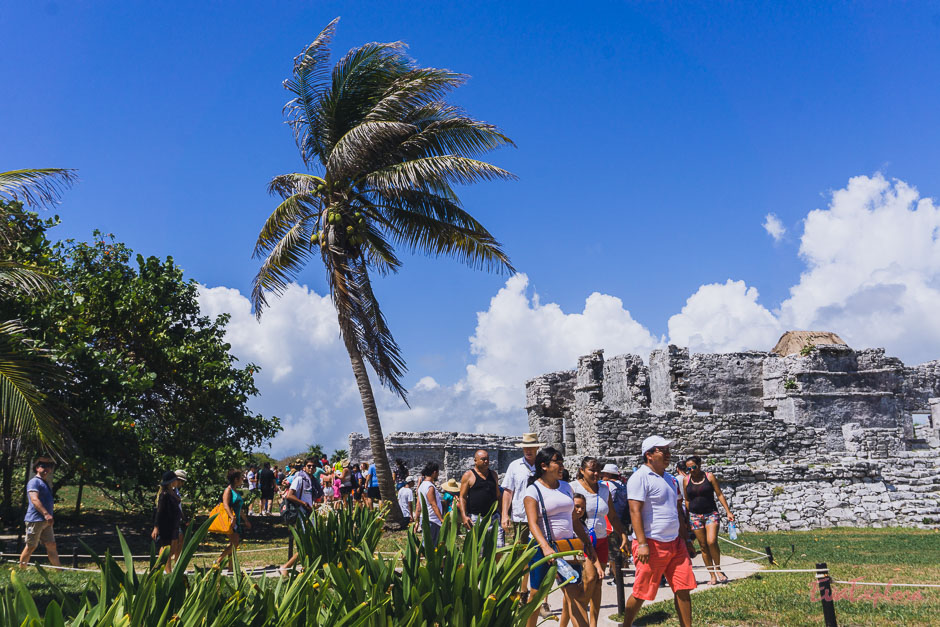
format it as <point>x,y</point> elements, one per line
<point>385,150</point>
<point>150,375</point>
<point>339,455</point>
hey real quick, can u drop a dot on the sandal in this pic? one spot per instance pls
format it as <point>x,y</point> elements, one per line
<point>722,578</point>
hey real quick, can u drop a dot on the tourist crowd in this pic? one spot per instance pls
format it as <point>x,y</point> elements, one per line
<point>597,518</point>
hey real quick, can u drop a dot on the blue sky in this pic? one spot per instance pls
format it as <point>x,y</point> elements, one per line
<point>653,140</point>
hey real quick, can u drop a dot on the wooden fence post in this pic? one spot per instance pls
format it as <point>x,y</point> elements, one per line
<point>825,595</point>
<point>770,555</point>
<point>75,557</point>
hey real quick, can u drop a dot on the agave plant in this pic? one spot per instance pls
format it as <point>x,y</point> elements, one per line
<point>384,150</point>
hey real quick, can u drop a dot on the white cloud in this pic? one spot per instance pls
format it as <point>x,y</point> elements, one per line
<point>774,227</point>
<point>873,269</point>
<point>518,338</point>
<point>720,318</point>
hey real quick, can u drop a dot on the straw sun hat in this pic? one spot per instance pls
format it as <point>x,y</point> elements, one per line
<point>530,440</point>
<point>451,486</point>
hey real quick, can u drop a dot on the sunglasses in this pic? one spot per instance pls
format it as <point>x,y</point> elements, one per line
<point>693,467</point>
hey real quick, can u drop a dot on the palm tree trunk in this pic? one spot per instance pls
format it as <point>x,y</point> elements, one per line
<point>376,437</point>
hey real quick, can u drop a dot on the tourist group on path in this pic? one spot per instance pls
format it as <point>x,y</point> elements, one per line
<point>650,519</point>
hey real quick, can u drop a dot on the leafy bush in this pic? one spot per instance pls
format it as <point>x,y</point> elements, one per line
<point>343,584</point>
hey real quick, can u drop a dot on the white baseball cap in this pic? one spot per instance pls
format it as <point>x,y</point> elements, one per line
<point>653,441</point>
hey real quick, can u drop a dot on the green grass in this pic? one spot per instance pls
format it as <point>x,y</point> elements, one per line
<point>881,555</point>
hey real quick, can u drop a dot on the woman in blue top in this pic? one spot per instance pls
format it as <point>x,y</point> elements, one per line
<point>232,501</point>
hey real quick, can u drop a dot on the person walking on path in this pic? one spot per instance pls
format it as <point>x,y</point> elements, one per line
<point>38,517</point>
<point>701,488</point>
<point>177,547</point>
<point>431,497</point>
<point>479,491</point>
<point>661,545</point>
<point>300,495</point>
<point>371,477</point>
<point>549,509</point>
<point>168,517</point>
<point>252,478</point>
<point>451,492</point>
<point>600,504</point>
<point>514,485</point>
<point>267,481</point>
<point>406,497</point>
<point>610,477</point>
<point>233,503</point>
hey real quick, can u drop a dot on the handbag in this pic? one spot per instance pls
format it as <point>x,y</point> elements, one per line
<point>222,522</point>
<point>565,573</point>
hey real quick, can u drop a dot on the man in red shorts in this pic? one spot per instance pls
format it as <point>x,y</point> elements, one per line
<point>661,546</point>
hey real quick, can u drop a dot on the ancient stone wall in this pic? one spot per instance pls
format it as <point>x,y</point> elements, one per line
<point>452,450</point>
<point>818,438</point>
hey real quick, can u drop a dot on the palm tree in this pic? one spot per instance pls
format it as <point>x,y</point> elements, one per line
<point>25,413</point>
<point>385,150</point>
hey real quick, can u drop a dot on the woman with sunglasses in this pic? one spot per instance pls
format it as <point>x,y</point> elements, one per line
<point>701,488</point>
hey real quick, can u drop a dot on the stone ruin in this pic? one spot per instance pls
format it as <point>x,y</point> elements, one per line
<point>453,451</point>
<point>823,436</point>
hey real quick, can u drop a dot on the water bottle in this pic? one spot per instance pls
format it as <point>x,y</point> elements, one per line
<point>732,531</point>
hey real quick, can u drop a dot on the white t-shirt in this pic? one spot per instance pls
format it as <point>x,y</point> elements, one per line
<point>597,506</point>
<point>659,496</point>
<point>559,503</point>
<point>423,491</point>
<point>406,497</point>
<point>252,480</point>
<point>516,480</point>
<point>302,485</point>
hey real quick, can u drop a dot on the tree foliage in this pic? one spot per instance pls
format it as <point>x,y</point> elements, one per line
<point>150,376</point>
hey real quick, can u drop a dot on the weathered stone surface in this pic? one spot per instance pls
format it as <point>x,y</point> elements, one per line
<point>452,450</point>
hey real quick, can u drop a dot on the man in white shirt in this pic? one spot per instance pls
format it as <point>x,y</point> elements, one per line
<point>515,482</point>
<point>406,496</point>
<point>300,493</point>
<point>661,545</point>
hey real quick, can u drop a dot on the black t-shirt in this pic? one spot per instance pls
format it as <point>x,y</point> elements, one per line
<point>266,479</point>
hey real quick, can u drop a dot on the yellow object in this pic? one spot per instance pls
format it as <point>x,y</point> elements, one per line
<point>222,523</point>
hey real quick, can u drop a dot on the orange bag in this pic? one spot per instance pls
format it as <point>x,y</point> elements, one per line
<point>222,523</point>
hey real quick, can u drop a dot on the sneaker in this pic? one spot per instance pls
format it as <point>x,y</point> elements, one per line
<point>545,611</point>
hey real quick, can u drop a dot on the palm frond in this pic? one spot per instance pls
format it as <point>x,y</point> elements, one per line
<point>37,187</point>
<point>365,143</point>
<point>285,261</point>
<point>24,278</point>
<point>427,172</point>
<point>362,321</point>
<point>474,247</point>
<point>299,204</point>
<point>310,75</point>
<point>24,410</point>
<point>413,90</point>
<point>460,135</point>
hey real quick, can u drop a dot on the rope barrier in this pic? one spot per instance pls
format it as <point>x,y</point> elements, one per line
<point>746,548</point>
<point>891,583</point>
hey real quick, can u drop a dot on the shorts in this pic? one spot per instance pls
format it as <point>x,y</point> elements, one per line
<point>374,493</point>
<point>601,549</point>
<point>267,494</point>
<point>336,493</point>
<point>345,490</point>
<point>666,558</point>
<point>521,532</point>
<point>37,532</point>
<point>613,548</point>
<point>699,521</point>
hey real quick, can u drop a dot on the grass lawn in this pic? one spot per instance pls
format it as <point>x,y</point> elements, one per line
<point>877,555</point>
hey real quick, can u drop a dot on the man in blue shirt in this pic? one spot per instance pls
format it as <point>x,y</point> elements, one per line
<point>39,513</point>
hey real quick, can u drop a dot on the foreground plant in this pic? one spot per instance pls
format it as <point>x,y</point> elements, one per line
<point>385,150</point>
